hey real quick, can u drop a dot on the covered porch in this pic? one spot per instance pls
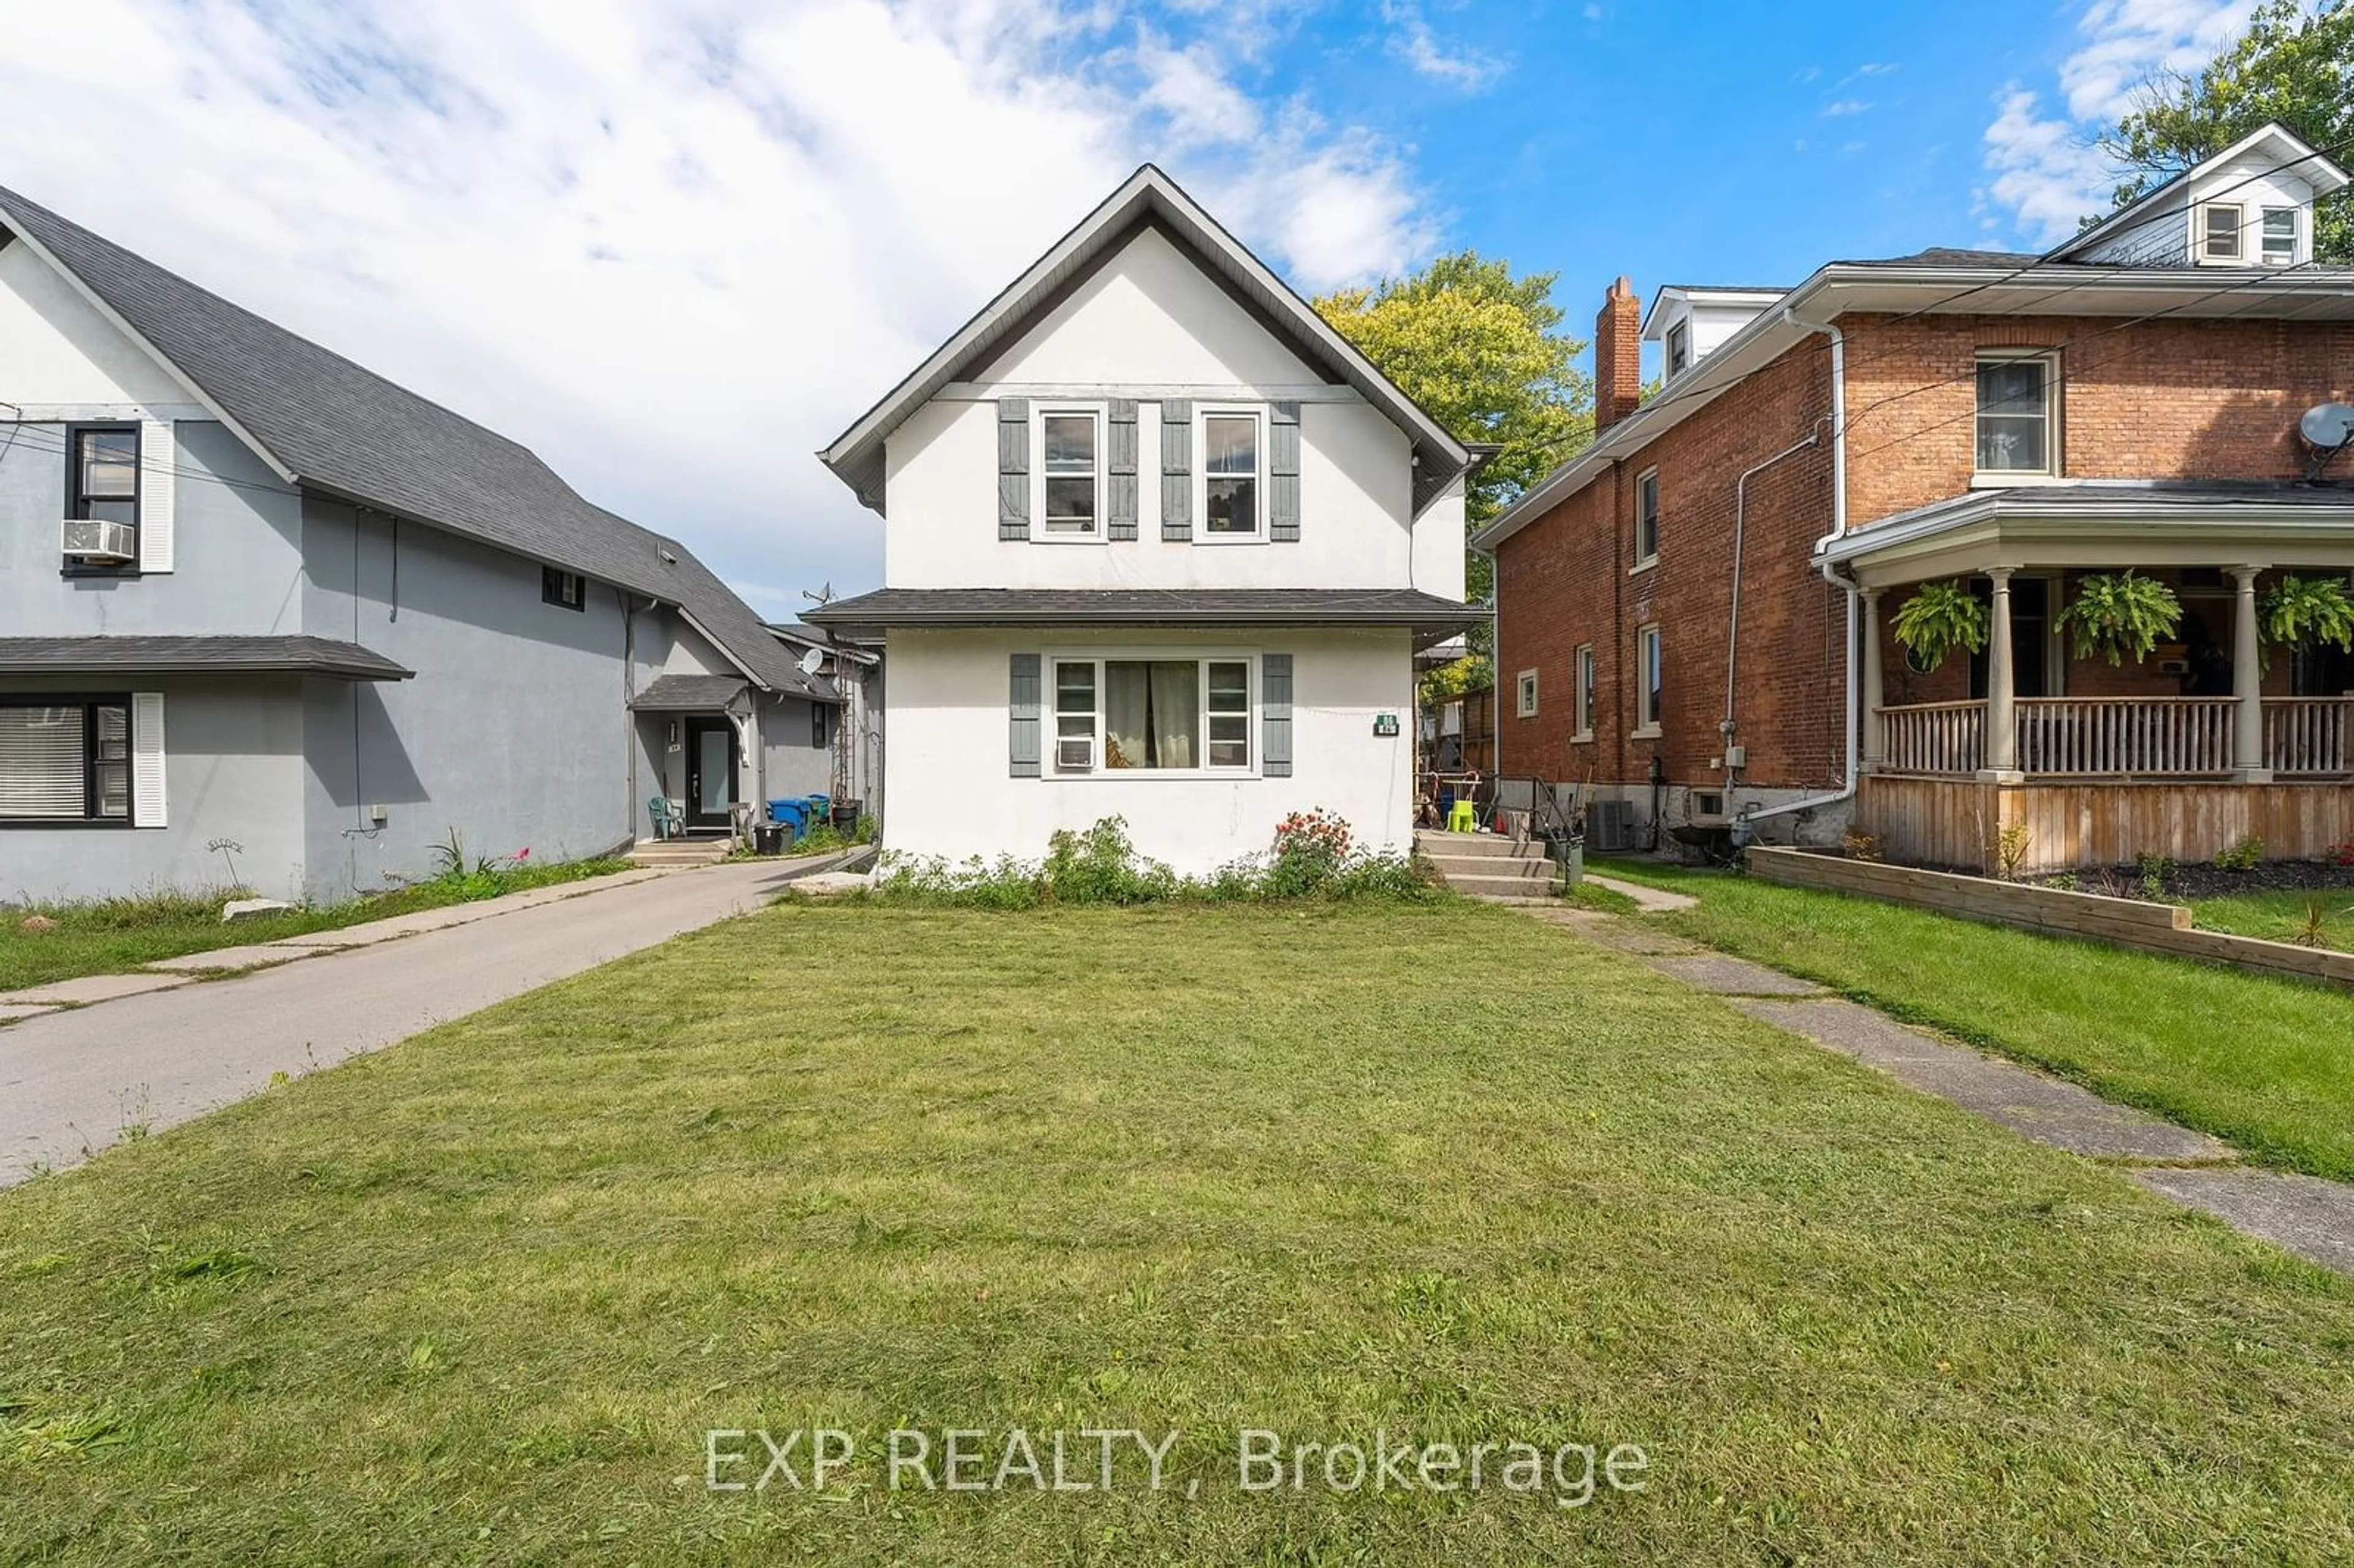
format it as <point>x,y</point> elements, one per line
<point>699,733</point>
<point>2217,737</point>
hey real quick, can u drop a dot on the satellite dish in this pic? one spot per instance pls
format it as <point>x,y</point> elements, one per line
<point>812,660</point>
<point>2327,425</point>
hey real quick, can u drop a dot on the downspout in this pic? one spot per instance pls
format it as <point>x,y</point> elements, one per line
<point>629,714</point>
<point>1845,791</point>
<point>1732,627</point>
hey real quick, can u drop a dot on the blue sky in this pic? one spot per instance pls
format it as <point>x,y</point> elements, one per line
<point>677,245</point>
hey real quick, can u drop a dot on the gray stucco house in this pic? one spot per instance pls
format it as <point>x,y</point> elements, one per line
<point>251,592</point>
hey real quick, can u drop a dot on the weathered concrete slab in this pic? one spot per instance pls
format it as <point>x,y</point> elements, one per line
<point>1649,900</point>
<point>256,957</point>
<point>2309,1216</point>
<point>1613,931</point>
<point>829,884</point>
<point>93,988</point>
<point>11,1012</point>
<point>2044,1109</point>
<point>1732,977</point>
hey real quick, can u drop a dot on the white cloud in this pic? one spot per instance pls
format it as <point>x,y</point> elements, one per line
<point>1414,42</point>
<point>1865,72</point>
<point>2045,168</point>
<point>674,253</point>
<point>1844,106</point>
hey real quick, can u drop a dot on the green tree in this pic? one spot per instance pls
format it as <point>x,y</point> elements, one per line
<point>2291,65</point>
<point>1482,352</point>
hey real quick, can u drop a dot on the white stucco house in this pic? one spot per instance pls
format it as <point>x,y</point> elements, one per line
<point>1159,544</point>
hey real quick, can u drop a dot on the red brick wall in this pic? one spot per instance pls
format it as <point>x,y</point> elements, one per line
<point>1569,579</point>
<point>2175,398</point>
<point>2163,400</point>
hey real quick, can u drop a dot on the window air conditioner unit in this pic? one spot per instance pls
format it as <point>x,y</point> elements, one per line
<point>88,539</point>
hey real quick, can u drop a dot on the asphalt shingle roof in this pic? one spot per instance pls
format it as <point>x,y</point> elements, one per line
<point>196,655</point>
<point>342,428</point>
<point>688,693</point>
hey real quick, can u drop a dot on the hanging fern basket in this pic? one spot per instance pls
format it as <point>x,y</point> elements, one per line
<point>1938,619</point>
<point>2120,616</point>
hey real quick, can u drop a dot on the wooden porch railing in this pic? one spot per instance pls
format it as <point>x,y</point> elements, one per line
<point>1935,737</point>
<point>2309,735</point>
<point>2165,736</point>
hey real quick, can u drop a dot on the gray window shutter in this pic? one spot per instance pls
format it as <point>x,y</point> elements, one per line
<point>1021,707</point>
<point>1176,469</point>
<point>1013,468</point>
<point>1275,715</point>
<point>1119,506</point>
<point>1283,472</point>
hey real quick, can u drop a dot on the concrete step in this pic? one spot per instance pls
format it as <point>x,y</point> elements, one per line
<point>1427,842</point>
<point>678,851</point>
<point>1504,887</point>
<point>1451,866</point>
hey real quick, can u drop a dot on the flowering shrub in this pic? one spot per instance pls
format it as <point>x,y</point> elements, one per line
<point>1314,856</point>
<point>2339,854</point>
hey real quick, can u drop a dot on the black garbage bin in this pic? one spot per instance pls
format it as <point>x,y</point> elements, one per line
<point>769,838</point>
<point>845,816</point>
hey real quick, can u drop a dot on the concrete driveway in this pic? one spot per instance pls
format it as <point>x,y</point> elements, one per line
<point>71,1082</point>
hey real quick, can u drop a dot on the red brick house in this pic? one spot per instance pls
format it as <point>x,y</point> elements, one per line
<point>1694,615</point>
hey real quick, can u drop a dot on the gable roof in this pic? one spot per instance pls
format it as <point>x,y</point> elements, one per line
<point>332,426</point>
<point>2288,150</point>
<point>1148,197</point>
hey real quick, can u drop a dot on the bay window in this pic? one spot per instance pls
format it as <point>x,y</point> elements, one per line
<point>65,761</point>
<point>1157,715</point>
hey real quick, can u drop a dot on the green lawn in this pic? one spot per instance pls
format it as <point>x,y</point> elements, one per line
<point>2265,1064</point>
<point>2282,917</point>
<point>1437,1170</point>
<point>112,935</point>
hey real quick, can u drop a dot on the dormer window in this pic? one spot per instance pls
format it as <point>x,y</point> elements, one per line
<point>2219,231</point>
<point>2280,236</point>
<point>1678,347</point>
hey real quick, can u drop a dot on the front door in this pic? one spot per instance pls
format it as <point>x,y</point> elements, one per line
<point>710,772</point>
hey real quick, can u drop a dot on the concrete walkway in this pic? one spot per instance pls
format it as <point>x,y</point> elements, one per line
<point>73,1080</point>
<point>2307,1215</point>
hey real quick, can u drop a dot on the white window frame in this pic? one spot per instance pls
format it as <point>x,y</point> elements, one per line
<point>1053,659</point>
<point>2264,251</point>
<point>1649,477</point>
<point>1651,647</point>
<point>1667,367</point>
<point>1582,691</point>
<point>1040,532</point>
<point>1524,695</point>
<point>1203,415</point>
<point>2203,236</point>
<point>2053,429</point>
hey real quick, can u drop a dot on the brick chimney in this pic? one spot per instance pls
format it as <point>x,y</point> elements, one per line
<point>1618,355</point>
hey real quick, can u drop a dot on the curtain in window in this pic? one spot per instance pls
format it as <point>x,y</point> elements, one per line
<point>43,768</point>
<point>1153,712</point>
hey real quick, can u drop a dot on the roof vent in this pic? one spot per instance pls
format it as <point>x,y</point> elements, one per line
<point>2328,428</point>
<point>668,559</point>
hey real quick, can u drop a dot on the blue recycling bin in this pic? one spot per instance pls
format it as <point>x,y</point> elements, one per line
<point>792,815</point>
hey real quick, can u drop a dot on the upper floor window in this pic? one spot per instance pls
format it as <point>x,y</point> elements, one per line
<point>568,589</point>
<point>102,496</point>
<point>2279,237</point>
<point>1584,712</point>
<point>1647,517</point>
<point>2015,415</point>
<point>1230,486</point>
<point>68,761</point>
<point>1679,346</point>
<point>2219,231</point>
<point>1068,447</point>
<point>1526,695</point>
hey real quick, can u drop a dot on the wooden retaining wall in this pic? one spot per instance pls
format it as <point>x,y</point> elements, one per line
<point>1956,821</point>
<point>2127,922</point>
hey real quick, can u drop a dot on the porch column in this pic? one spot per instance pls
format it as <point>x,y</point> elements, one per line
<point>2001,759</point>
<point>2249,763</point>
<point>1875,739</point>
